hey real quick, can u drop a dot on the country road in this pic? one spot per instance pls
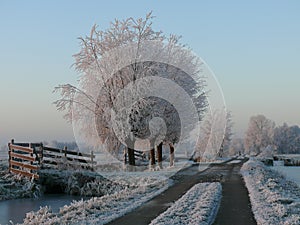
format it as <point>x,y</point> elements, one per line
<point>235,206</point>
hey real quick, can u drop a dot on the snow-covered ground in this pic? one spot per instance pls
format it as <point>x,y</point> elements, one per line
<point>198,206</point>
<point>98,210</point>
<point>274,199</point>
<point>292,173</point>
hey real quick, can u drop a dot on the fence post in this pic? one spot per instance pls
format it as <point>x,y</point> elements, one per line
<point>31,154</point>
<point>65,150</point>
<point>9,155</point>
<point>41,154</point>
<point>172,152</point>
<point>92,159</point>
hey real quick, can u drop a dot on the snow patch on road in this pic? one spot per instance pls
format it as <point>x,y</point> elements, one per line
<point>198,206</point>
<point>274,199</point>
<point>236,161</point>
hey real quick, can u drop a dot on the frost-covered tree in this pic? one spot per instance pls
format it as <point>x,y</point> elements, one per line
<point>287,139</point>
<point>224,150</point>
<point>215,135</point>
<point>281,138</point>
<point>116,97</point>
<point>236,146</point>
<point>259,134</point>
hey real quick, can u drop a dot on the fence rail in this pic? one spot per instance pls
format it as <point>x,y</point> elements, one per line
<point>28,158</point>
<point>55,156</point>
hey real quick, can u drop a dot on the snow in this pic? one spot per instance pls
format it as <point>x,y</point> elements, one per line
<point>203,166</point>
<point>274,199</point>
<point>98,210</point>
<point>278,163</point>
<point>234,161</point>
<point>292,173</point>
<point>198,206</point>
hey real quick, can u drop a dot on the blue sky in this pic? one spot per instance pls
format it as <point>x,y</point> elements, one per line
<point>253,47</point>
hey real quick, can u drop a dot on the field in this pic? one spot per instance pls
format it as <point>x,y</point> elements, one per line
<point>292,173</point>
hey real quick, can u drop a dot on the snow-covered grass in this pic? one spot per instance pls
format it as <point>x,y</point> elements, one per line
<point>274,199</point>
<point>15,186</point>
<point>198,206</point>
<point>292,173</point>
<point>97,210</point>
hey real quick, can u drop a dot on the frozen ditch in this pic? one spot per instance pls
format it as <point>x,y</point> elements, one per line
<point>15,209</point>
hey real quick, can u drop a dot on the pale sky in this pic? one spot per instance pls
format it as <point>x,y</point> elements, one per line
<point>252,47</point>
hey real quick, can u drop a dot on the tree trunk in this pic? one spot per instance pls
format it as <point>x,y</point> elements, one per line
<point>125,156</point>
<point>172,152</point>
<point>131,157</point>
<point>159,155</point>
<point>152,158</point>
<point>130,151</point>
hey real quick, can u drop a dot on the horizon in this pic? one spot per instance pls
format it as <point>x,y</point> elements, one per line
<point>252,48</point>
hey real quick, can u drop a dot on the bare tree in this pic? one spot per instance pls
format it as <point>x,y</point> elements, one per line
<point>259,134</point>
<point>115,93</point>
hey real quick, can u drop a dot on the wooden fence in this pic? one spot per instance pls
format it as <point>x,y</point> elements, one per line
<point>22,161</point>
<point>64,157</point>
<point>288,159</point>
<point>137,155</point>
<point>27,158</point>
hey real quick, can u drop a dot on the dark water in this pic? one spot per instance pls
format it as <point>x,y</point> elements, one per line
<point>16,209</point>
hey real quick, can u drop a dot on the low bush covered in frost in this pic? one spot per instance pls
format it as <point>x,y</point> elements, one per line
<point>84,183</point>
<point>274,199</point>
<point>198,206</point>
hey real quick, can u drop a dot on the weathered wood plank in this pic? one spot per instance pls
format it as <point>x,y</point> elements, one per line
<point>27,144</point>
<point>24,173</point>
<point>20,156</point>
<point>21,148</point>
<point>24,165</point>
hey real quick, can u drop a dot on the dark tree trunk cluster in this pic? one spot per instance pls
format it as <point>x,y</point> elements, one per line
<point>152,158</point>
